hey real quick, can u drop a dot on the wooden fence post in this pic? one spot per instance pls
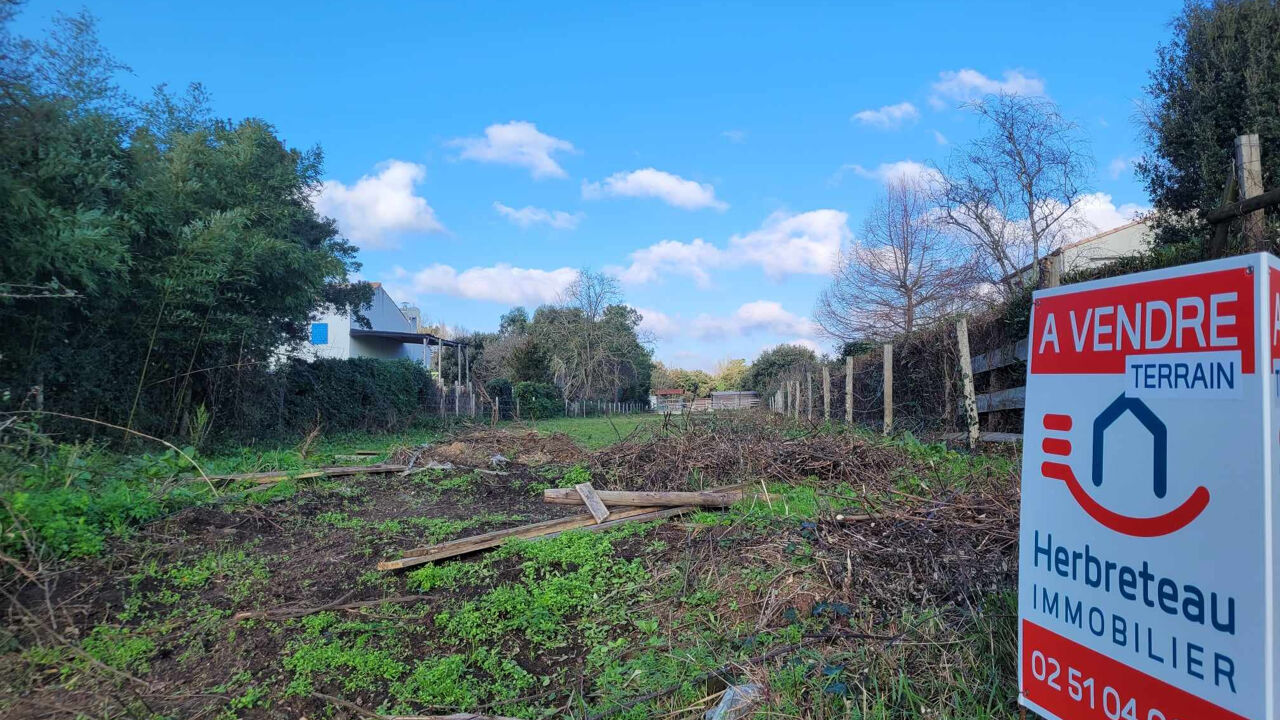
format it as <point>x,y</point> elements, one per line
<point>795,399</point>
<point>826,393</point>
<point>888,388</point>
<point>808,389</point>
<point>966,378</point>
<point>1248,155</point>
<point>1051,268</point>
<point>848,390</point>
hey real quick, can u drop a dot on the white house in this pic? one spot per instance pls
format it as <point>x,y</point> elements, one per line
<point>1132,238</point>
<point>1129,239</point>
<point>391,334</point>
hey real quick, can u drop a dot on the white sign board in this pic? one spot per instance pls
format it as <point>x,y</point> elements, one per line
<point>1147,553</point>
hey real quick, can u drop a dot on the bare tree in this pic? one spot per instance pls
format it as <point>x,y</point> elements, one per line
<point>905,272</point>
<point>592,338</point>
<point>1013,191</point>
<point>592,292</point>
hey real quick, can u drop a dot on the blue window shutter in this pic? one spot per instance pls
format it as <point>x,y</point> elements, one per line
<point>319,333</point>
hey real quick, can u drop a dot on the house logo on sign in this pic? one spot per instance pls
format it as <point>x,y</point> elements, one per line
<point>1154,526</point>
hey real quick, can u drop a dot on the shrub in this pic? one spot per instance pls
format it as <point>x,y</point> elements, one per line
<point>538,400</point>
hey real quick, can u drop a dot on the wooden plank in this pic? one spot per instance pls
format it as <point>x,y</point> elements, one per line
<point>969,405</point>
<point>453,548</point>
<point>988,437</point>
<point>274,475</point>
<point>569,496</point>
<point>587,494</point>
<point>546,528</point>
<point>1001,357</point>
<point>1011,399</point>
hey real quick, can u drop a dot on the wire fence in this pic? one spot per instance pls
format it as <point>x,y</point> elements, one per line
<point>924,393</point>
<point>461,402</point>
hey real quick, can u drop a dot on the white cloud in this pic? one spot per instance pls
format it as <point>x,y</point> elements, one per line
<point>498,283</point>
<point>1099,213</point>
<point>902,170</point>
<point>658,323</point>
<point>670,256</point>
<point>1121,165</point>
<point>378,207</point>
<point>807,343</point>
<point>530,215</point>
<point>516,143</point>
<point>649,182</point>
<point>735,136</point>
<point>792,244</point>
<point>939,137</point>
<point>785,244</point>
<point>757,316</point>
<point>888,117</point>
<point>969,84</point>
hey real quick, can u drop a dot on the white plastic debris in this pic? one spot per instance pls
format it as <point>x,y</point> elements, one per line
<point>736,702</point>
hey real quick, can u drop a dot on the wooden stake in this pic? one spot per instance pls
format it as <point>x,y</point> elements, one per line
<point>808,384</point>
<point>1248,157</point>
<point>966,379</point>
<point>592,501</point>
<point>572,496</point>
<point>888,388</point>
<point>848,390</point>
<point>826,393</point>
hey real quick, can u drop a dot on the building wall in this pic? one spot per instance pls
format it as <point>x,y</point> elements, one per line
<point>383,314</point>
<point>1126,240</point>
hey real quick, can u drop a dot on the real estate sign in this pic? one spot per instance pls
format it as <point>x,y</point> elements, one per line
<point>1147,583</point>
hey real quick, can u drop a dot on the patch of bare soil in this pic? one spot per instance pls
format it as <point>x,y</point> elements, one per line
<point>242,575</point>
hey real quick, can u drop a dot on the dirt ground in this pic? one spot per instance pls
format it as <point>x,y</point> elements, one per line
<point>865,563</point>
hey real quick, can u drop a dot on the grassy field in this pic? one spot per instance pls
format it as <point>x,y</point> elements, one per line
<point>268,603</point>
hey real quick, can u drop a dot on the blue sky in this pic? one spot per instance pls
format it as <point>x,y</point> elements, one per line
<point>711,155</point>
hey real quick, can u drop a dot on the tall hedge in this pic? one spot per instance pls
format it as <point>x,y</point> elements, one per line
<point>360,394</point>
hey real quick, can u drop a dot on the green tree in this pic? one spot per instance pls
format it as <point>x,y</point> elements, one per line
<point>1219,77</point>
<point>167,250</point>
<point>731,374</point>
<point>772,364</point>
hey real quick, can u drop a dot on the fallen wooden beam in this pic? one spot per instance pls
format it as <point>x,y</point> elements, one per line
<point>587,495</point>
<point>546,528</point>
<point>453,548</point>
<point>569,496</point>
<point>274,475</point>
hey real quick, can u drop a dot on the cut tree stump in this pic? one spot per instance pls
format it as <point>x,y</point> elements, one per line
<point>589,498</point>
<point>569,496</point>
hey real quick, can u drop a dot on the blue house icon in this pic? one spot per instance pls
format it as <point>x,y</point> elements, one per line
<point>1153,424</point>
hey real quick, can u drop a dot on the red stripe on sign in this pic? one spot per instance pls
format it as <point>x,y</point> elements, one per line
<point>1056,446</point>
<point>1072,681</point>
<point>1053,421</point>
<point>1093,331</point>
<point>1170,522</point>
<point>1275,306</point>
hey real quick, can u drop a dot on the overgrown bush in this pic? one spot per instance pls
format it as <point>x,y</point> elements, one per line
<point>538,400</point>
